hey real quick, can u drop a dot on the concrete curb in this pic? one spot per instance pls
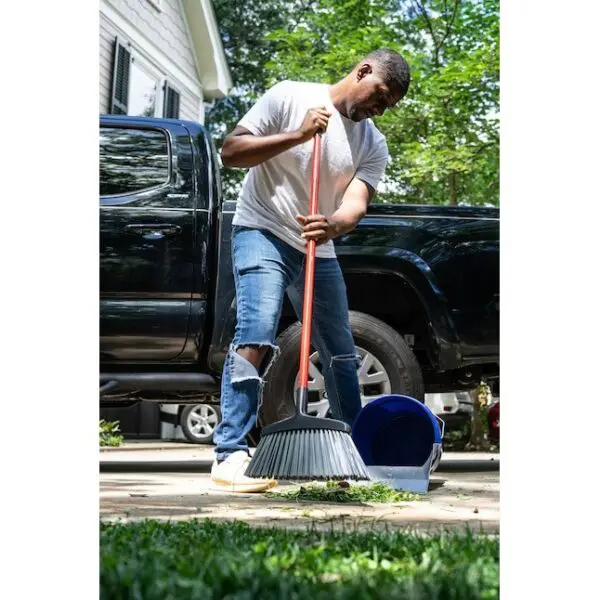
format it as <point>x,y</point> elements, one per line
<point>194,458</point>
<point>146,446</point>
<point>159,446</point>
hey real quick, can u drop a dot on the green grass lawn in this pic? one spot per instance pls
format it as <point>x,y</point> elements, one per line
<point>204,560</point>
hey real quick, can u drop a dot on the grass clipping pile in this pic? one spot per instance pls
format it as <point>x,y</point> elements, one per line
<point>342,492</point>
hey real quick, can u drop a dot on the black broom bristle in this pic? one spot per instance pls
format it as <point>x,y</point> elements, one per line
<point>318,453</point>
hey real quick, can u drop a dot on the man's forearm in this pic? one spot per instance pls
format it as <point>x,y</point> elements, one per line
<point>245,151</point>
<point>347,216</point>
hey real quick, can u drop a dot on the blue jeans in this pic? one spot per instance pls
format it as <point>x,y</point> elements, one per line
<point>265,268</point>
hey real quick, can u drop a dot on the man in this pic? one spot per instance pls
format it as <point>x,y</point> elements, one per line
<point>271,228</point>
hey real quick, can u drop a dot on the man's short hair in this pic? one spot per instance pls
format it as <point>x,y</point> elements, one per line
<point>393,68</point>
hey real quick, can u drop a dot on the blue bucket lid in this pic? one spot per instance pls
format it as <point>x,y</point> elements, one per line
<point>396,430</point>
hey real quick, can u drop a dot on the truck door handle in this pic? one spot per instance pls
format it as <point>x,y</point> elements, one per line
<point>152,231</point>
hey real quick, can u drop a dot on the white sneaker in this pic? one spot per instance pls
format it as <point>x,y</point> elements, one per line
<point>229,475</point>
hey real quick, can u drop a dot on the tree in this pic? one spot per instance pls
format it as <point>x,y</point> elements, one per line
<point>244,25</point>
<point>451,147</point>
<point>478,436</point>
<point>443,138</point>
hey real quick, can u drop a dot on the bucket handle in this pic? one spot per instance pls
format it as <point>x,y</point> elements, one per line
<point>441,423</point>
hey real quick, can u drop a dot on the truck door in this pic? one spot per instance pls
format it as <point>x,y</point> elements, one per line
<point>147,225</point>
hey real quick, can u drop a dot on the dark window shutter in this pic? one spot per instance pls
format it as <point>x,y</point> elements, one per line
<point>120,85</point>
<point>171,104</point>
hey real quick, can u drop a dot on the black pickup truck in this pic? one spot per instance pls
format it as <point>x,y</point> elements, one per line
<point>423,284</point>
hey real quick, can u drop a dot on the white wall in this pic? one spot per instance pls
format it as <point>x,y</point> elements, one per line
<point>162,38</point>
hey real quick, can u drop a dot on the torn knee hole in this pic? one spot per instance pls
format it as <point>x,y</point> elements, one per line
<point>253,353</point>
<point>259,349</point>
<point>245,369</point>
<point>344,358</point>
<point>242,369</point>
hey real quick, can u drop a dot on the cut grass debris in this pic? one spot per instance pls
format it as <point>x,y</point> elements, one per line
<point>342,492</point>
<point>204,560</point>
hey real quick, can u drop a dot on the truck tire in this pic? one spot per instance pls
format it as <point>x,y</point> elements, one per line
<point>371,335</point>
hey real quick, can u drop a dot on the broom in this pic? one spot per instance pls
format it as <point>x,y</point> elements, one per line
<point>304,447</point>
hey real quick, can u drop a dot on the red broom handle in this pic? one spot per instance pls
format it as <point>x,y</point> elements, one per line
<point>309,279</point>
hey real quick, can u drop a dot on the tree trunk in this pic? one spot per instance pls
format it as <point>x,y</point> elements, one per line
<point>479,421</point>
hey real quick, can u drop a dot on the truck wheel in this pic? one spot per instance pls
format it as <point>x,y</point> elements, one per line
<point>198,422</point>
<point>388,366</point>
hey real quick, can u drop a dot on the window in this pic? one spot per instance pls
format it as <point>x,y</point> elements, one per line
<point>142,91</point>
<point>137,84</point>
<point>171,105</point>
<point>132,160</point>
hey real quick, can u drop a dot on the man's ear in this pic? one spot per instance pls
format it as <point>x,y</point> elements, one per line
<point>363,71</point>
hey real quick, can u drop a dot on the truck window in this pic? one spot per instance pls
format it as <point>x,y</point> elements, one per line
<point>132,160</point>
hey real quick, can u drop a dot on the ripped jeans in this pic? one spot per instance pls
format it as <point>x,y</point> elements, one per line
<point>265,268</point>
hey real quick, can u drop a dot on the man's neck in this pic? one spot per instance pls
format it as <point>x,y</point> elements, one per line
<point>338,94</point>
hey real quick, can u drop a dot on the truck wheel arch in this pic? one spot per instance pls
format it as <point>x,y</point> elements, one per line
<point>408,300</point>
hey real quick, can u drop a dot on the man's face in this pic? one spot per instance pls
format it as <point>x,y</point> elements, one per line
<point>371,96</point>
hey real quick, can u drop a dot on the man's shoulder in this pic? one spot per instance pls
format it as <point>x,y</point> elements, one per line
<point>293,87</point>
<point>377,140</point>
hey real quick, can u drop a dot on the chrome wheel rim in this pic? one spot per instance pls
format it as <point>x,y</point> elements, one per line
<point>373,380</point>
<point>202,420</point>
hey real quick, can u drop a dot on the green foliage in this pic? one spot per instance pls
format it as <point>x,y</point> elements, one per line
<point>460,434</point>
<point>206,560</point>
<point>342,492</point>
<point>109,433</point>
<point>443,138</point>
<point>243,27</point>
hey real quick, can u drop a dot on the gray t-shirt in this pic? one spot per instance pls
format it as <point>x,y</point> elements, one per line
<point>275,191</point>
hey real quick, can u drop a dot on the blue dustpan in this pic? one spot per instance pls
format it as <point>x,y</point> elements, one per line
<point>400,441</point>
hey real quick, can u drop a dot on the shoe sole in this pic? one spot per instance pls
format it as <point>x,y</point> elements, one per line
<point>227,486</point>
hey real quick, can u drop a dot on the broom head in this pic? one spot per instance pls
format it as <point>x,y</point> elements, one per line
<point>307,448</point>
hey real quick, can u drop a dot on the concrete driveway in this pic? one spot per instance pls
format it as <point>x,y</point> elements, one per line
<point>171,481</point>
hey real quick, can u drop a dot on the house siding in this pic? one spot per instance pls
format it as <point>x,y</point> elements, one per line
<point>165,30</point>
<point>107,39</point>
